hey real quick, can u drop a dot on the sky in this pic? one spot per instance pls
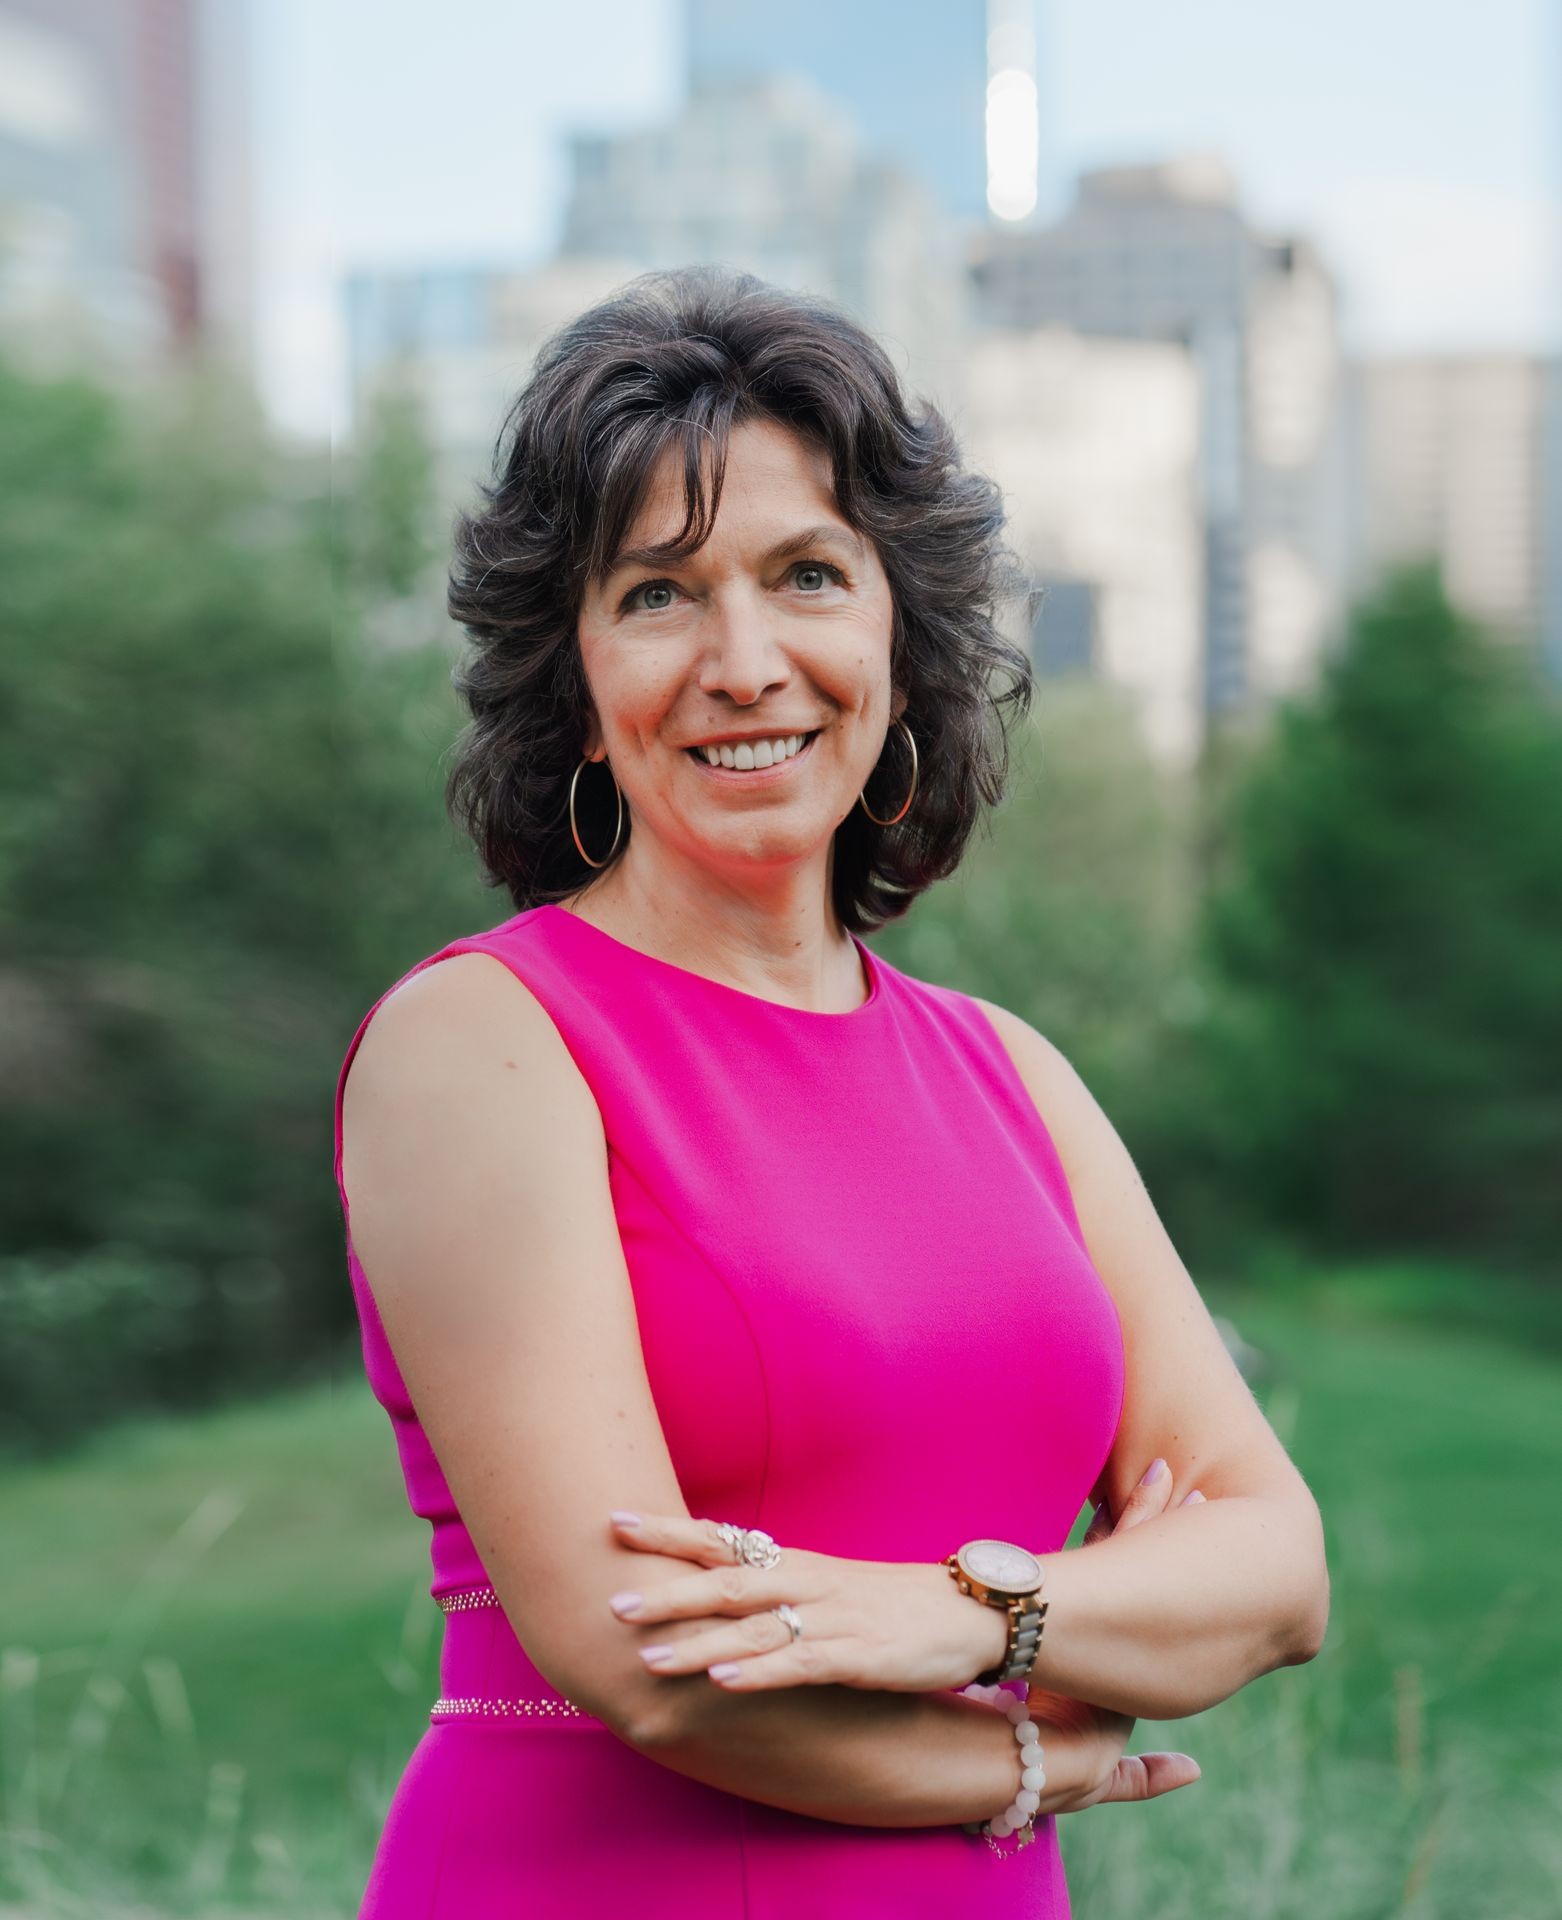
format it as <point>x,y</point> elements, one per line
<point>1418,142</point>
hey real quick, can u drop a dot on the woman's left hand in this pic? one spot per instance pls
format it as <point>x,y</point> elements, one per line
<point>891,1625</point>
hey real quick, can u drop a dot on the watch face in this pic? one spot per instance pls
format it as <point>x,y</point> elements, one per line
<point>1000,1564</point>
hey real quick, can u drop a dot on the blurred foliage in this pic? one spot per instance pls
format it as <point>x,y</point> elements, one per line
<point>1380,1060</point>
<point>386,508</point>
<point>1312,982</point>
<point>219,824</point>
<point>109,1328</point>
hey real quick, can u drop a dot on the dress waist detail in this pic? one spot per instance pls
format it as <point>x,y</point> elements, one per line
<point>484,1672</point>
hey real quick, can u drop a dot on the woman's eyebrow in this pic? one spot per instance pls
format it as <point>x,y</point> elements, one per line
<point>799,542</point>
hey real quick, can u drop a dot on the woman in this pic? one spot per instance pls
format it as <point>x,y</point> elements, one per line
<point>703,1257</point>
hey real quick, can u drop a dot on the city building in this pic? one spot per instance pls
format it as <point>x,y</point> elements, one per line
<point>461,341</point>
<point>1096,446</point>
<point>910,75</point>
<point>125,227</point>
<point>1451,462</point>
<point>1165,253</point>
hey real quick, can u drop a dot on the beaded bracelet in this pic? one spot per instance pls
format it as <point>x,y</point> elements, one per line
<point>1021,1815</point>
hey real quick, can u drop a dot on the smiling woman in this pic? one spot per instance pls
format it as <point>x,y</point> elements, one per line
<point>707,467</point>
<point>666,1195</point>
<point>758,619</point>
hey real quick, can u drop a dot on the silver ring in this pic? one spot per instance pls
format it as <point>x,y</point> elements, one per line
<point>793,1619</point>
<point>751,1546</point>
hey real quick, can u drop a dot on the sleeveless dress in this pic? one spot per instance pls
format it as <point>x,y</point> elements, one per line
<point>871,1327</point>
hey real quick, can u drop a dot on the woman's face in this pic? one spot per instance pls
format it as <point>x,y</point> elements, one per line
<point>779,625</point>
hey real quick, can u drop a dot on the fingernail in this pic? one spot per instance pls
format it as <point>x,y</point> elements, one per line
<point>625,1519</point>
<point>653,1654</point>
<point>626,1602</point>
<point>1152,1472</point>
<point>1195,1495</point>
<point>728,1670</point>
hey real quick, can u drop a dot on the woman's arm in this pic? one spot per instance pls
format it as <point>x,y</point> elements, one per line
<point>1166,1620</point>
<point>845,1754</point>
<point>874,1759</point>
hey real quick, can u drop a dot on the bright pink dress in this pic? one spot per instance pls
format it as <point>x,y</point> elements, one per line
<point>871,1327</point>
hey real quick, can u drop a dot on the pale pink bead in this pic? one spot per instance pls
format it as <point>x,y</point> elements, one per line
<point>1025,1725</point>
<point>1033,1777</point>
<point>1027,1802</point>
<point>1016,1713</point>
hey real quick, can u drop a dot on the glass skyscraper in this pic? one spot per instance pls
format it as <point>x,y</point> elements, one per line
<point>912,74</point>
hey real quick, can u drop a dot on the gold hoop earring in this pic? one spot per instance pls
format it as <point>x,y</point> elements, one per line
<point>909,797</point>
<point>618,825</point>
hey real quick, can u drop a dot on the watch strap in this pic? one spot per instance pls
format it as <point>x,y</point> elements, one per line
<point>1027,1616</point>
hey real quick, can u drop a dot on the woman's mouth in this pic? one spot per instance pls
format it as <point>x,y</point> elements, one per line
<point>755,774</point>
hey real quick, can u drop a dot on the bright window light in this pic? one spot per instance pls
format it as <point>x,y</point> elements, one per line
<point>1011,144</point>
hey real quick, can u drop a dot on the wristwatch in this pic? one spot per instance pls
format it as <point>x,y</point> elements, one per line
<point>1004,1575</point>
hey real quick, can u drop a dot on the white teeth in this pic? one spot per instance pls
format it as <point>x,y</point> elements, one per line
<point>750,754</point>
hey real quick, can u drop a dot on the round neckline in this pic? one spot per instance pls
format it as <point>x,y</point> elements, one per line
<point>870,963</point>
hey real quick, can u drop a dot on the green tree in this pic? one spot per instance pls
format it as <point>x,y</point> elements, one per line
<point>220,834</point>
<point>385,498</point>
<point>1383,945</point>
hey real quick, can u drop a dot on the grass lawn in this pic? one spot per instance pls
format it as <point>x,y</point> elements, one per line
<point>216,1651</point>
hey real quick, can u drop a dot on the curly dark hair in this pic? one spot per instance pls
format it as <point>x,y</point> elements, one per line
<point>676,360</point>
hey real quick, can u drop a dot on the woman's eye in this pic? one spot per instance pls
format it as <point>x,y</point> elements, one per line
<point>812,575</point>
<point>643,594</point>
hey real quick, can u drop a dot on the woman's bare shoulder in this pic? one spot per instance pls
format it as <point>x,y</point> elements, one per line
<point>1048,1073</point>
<point>462,1052</point>
<point>468,1006</point>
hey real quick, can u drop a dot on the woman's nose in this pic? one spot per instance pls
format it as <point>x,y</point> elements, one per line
<point>743,654</point>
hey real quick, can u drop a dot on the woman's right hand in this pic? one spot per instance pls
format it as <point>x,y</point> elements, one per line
<point>1083,1744</point>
